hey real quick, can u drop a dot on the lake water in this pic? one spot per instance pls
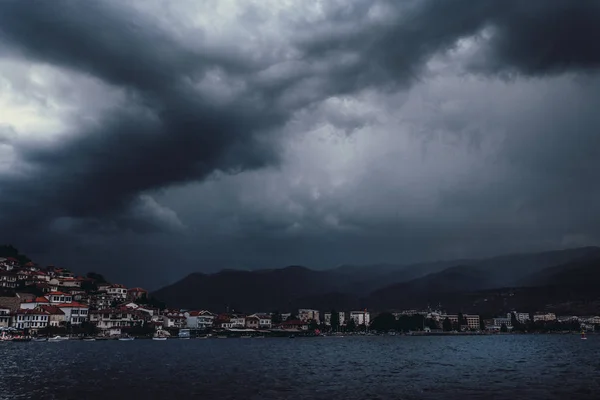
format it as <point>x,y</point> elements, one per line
<point>401,367</point>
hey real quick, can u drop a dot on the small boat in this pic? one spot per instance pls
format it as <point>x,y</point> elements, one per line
<point>126,339</point>
<point>57,338</point>
<point>583,335</point>
<point>42,339</point>
<point>221,337</point>
<point>159,338</point>
<point>89,339</point>
<point>246,337</point>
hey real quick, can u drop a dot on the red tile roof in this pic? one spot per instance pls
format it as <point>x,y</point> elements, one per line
<point>57,294</point>
<point>72,305</point>
<point>54,310</point>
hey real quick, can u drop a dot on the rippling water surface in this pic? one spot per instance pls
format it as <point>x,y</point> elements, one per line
<point>402,367</point>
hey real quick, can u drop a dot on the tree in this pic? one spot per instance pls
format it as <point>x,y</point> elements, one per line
<point>351,325</point>
<point>276,317</point>
<point>335,320</point>
<point>97,277</point>
<point>481,324</point>
<point>503,328</point>
<point>384,322</point>
<point>313,325</point>
<point>447,325</point>
<point>431,324</point>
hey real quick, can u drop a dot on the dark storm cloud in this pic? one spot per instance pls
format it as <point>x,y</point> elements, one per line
<point>167,132</point>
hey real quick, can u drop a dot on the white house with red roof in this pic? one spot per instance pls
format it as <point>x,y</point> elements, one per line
<point>56,315</point>
<point>258,321</point>
<point>75,313</point>
<point>59,297</point>
<point>31,319</point>
<point>174,319</point>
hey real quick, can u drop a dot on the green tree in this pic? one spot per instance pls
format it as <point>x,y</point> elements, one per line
<point>384,322</point>
<point>447,325</point>
<point>351,325</point>
<point>503,328</point>
<point>313,325</point>
<point>276,317</point>
<point>96,277</point>
<point>481,324</point>
<point>335,320</point>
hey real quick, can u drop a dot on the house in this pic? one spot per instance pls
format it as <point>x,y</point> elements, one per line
<point>285,316</point>
<point>361,317</point>
<point>237,321</point>
<point>59,297</point>
<point>521,317</point>
<point>544,317</point>
<point>294,325</point>
<point>100,301</point>
<point>117,292</point>
<point>56,315</point>
<point>591,320</point>
<point>498,322</point>
<point>305,314</point>
<point>34,303</point>
<point>112,319</point>
<point>199,319</point>
<point>69,282</point>
<point>341,316</point>
<point>222,321</point>
<point>31,319</point>
<point>136,293</point>
<point>4,317</point>
<point>470,321</point>
<point>75,313</point>
<point>174,319</point>
<point>8,280</point>
<point>103,287</point>
<point>252,322</point>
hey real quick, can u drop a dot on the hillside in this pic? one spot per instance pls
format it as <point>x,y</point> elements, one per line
<point>375,286</point>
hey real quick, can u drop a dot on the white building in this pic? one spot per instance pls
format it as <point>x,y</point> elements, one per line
<point>117,292</point>
<point>544,317</point>
<point>199,319</point>
<point>361,317</point>
<point>109,319</point>
<point>237,321</point>
<point>174,319</point>
<point>59,297</point>
<point>4,317</point>
<point>341,316</point>
<point>498,322</point>
<point>306,314</point>
<point>75,313</point>
<point>259,321</point>
<point>521,317</point>
<point>31,319</point>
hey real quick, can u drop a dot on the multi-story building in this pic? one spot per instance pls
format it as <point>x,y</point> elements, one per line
<point>4,317</point>
<point>258,321</point>
<point>305,314</point>
<point>199,319</point>
<point>472,321</point>
<point>75,313</point>
<point>174,319</point>
<point>544,317</point>
<point>31,319</point>
<point>361,317</point>
<point>498,322</point>
<point>56,316</point>
<point>117,292</point>
<point>8,280</point>
<point>521,317</point>
<point>116,317</point>
<point>341,316</point>
<point>59,297</point>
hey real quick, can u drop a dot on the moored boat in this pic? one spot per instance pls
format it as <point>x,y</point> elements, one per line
<point>57,338</point>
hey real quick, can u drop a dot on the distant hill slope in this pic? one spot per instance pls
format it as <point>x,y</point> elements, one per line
<point>375,286</point>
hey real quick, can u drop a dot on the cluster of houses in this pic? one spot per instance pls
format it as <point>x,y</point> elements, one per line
<point>39,300</point>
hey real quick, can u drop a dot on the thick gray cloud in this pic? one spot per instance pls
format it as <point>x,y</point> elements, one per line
<point>355,132</point>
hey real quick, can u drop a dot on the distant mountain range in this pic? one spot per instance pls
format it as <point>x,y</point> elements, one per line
<point>470,284</point>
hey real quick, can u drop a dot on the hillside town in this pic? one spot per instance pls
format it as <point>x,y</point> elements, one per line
<point>53,302</point>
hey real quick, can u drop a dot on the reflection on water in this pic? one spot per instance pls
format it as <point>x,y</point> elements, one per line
<point>464,367</point>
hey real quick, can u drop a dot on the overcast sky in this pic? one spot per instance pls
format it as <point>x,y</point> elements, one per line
<point>150,139</point>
